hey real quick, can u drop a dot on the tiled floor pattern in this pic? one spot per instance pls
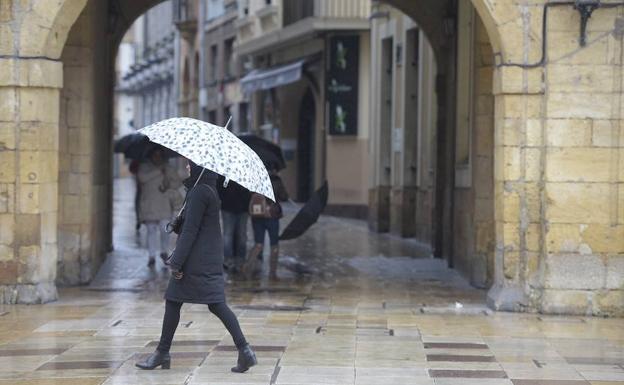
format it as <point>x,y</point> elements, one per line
<point>341,337</point>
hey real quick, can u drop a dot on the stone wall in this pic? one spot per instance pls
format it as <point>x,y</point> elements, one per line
<point>30,83</point>
<point>558,189</point>
<point>581,132</point>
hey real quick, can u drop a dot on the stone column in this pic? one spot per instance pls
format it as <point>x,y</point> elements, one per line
<point>32,34</point>
<point>29,115</point>
<point>558,151</point>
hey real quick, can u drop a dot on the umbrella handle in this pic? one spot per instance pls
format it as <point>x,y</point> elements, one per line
<point>182,209</point>
<point>197,181</point>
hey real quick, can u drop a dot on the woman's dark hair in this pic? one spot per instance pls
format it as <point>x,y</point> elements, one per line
<point>208,177</point>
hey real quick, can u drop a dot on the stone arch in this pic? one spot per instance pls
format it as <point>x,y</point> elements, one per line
<point>125,13</point>
<point>45,25</point>
<point>87,47</point>
<point>466,241</point>
<point>430,14</point>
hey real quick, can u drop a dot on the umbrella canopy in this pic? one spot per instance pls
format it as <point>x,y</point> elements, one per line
<point>138,146</point>
<point>269,152</point>
<point>215,148</point>
<point>133,146</point>
<point>307,216</point>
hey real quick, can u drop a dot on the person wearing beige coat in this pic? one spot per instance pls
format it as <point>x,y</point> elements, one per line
<point>159,183</point>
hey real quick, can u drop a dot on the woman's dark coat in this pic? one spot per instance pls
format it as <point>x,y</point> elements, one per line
<point>199,249</point>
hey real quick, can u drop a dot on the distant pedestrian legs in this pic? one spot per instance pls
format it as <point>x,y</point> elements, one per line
<point>235,237</point>
<point>157,240</point>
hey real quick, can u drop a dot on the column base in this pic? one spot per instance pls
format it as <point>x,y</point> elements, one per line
<point>507,298</point>
<point>403,211</point>
<point>379,209</point>
<point>28,294</point>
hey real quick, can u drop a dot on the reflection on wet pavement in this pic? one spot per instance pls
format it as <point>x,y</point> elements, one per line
<point>373,309</point>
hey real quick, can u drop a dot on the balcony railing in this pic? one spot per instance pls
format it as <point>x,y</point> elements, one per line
<point>295,10</point>
<point>185,17</point>
<point>182,11</point>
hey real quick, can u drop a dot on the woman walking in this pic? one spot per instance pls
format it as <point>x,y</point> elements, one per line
<point>197,271</point>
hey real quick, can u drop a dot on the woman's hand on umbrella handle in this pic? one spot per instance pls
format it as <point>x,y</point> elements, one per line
<point>177,275</point>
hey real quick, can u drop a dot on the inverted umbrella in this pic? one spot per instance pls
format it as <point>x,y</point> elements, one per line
<point>269,152</point>
<point>307,216</point>
<point>215,148</point>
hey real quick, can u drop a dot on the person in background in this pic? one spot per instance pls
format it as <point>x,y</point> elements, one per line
<point>156,180</point>
<point>234,214</point>
<point>265,216</point>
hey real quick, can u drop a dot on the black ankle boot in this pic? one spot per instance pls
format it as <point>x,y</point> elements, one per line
<point>246,359</point>
<point>155,360</point>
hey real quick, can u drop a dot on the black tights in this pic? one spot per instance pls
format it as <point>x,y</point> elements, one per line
<point>221,310</point>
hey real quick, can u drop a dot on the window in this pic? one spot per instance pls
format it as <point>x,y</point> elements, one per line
<point>243,117</point>
<point>244,8</point>
<point>214,52</point>
<point>182,10</point>
<point>295,10</point>
<point>228,59</point>
<point>214,9</point>
<point>231,7</point>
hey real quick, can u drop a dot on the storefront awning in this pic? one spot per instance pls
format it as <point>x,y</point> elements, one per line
<point>265,79</point>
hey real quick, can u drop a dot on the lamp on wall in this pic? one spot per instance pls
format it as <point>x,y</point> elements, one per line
<point>376,12</point>
<point>585,8</point>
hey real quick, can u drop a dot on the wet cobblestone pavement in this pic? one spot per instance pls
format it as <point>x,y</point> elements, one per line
<point>373,309</point>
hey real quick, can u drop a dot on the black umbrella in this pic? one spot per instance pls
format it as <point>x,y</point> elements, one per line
<point>270,153</point>
<point>307,216</point>
<point>137,146</point>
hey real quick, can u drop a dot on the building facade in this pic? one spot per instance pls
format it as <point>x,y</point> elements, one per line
<point>150,80</point>
<point>543,111</point>
<point>220,93</point>
<point>289,49</point>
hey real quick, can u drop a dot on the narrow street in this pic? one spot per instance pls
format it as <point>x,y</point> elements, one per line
<point>371,309</point>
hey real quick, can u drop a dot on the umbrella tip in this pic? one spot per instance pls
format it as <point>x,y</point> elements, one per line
<point>227,180</point>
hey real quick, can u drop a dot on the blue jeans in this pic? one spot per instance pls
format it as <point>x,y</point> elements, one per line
<point>234,235</point>
<point>260,225</point>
